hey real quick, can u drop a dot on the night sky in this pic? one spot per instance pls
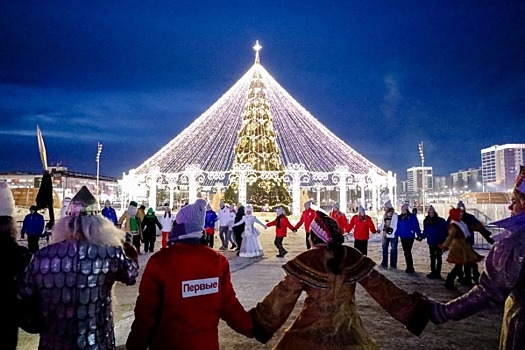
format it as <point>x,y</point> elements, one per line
<point>381,75</point>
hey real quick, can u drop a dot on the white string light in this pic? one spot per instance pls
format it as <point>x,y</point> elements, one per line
<point>301,138</point>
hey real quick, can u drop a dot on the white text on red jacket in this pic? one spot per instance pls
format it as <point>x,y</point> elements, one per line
<point>204,286</point>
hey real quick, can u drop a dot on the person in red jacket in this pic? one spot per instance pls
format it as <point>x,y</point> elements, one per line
<point>339,217</point>
<point>362,225</point>
<point>180,307</point>
<point>307,217</point>
<point>282,224</point>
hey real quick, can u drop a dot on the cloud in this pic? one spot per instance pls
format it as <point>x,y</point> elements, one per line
<point>392,98</point>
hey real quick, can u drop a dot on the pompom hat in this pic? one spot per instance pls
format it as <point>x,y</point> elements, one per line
<point>7,203</point>
<point>190,221</point>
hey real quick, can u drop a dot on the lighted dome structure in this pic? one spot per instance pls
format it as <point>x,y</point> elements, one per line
<point>254,114</point>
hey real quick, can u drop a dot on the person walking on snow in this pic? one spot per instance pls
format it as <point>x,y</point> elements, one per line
<point>166,221</point>
<point>307,217</point>
<point>250,247</point>
<point>435,231</point>
<point>339,217</point>
<point>282,224</point>
<point>109,212</point>
<point>362,225</point>
<point>209,225</point>
<point>149,230</point>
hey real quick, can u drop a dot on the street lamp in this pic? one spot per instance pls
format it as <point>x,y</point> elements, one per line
<point>423,175</point>
<point>99,150</point>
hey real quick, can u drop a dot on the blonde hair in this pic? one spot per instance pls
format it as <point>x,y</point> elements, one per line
<point>92,228</point>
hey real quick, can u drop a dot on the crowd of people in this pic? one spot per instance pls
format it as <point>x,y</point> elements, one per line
<point>68,302</point>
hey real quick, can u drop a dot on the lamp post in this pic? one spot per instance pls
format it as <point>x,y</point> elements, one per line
<point>423,175</point>
<point>99,151</point>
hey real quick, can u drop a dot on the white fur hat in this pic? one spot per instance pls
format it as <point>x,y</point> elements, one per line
<point>7,203</point>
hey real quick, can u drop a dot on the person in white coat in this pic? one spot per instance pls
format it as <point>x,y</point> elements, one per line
<point>250,247</point>
<point>166,221</point>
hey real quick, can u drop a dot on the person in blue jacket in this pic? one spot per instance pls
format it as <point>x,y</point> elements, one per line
<point>407,230</point>
<point>435,231</point>
<point>109,212</point>
<point>33,227</point>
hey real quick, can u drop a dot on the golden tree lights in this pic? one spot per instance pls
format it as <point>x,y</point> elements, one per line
<point>257,146</point>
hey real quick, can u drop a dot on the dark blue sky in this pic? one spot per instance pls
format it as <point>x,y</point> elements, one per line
<point>382,75</point>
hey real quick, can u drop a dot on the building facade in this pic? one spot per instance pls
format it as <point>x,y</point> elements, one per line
<point>500,165</point>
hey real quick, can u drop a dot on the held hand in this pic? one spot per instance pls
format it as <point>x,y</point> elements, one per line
<point>294,230</point>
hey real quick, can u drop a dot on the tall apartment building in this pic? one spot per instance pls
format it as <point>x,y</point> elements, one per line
<point>464,180</point>
<point>415,176</point>
<point>500,165</point>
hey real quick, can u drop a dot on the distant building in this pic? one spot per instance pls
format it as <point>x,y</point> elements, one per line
<point>415,178</point>
<point>500,165</point>
<point>467,180</point>
<point>65,183</point>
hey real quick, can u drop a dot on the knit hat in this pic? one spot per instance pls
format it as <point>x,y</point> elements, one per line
<point>461,205</point>
<point>133,204</point>
<point>361,210</point>
<point>7,203</point>
<point>83,203</point>
<point>324,227</point>
<point>336,205</point>
<point>151,211</point>
<point>519,185</point>
<point>455,214</point>
<point>405,206</point>
<point>190,221</point>
<point>388,205</point>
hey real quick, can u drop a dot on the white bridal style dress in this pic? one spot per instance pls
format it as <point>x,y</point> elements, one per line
<point>250,247</point>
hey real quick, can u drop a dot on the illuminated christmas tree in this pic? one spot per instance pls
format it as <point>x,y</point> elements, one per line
<point>256,145</point>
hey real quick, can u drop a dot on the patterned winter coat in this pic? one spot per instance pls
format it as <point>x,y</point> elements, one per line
<point>329,318</point>
<point>460,251</point>
<point>74,279</point>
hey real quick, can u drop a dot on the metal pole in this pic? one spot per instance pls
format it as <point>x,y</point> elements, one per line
<point>423,174</point>
<point>99,151</point>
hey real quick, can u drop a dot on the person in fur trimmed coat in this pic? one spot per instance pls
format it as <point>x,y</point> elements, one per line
<point>328,274</point>
<point>132,225</point>
<point>460,251</point>
<point>71,297</point>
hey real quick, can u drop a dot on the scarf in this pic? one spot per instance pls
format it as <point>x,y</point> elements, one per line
<point>463,227</point>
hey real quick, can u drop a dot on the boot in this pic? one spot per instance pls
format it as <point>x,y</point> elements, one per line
<point>449,283</point>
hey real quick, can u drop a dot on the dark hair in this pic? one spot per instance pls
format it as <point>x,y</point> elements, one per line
<point>336,246</point>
